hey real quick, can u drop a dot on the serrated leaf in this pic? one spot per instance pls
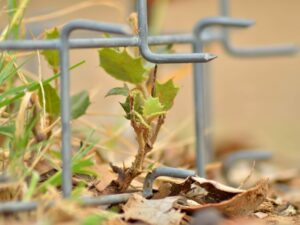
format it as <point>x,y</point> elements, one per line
<point>80,102</point>
<point>166,93</point>
<point>122,66</point>
<point>52,56</point>
<point>52,100</point>
<point>153,107</point>
<point>118,91</point>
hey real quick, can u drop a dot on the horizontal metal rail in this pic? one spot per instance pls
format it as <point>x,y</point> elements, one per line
<point>19,206</point>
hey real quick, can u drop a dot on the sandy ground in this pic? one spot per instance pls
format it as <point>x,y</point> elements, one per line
<point>252,98</point>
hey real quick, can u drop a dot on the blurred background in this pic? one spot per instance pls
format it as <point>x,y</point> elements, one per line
<point>255,101</point>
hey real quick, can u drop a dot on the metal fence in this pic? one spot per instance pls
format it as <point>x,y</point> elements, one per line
<point>197,38</point>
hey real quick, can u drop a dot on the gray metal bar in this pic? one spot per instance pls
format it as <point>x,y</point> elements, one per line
<point>76,43</point>
<point>207,94</point>
<point>14,206</point>
<point>199,85</point>
<point>19,206</point>
<point>162,58</point>
<point>276,50</point>
<point>105,199</point>
<point>65,92</point>
<point>65,98</point>
<point>108,42</point>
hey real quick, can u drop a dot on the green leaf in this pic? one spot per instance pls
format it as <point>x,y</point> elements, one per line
<point>80,102</point>
<point>166,93</point>
<point>12,9</point>
<point>14,20</point>
<point>78,190</point>
<point>82,167</point>
<point>122,66</point>
<point>78,166</point>
<point>118,91</point>
<point>153,108</point>
<point>52,99</point>
<point>32,185</point>
<point>21,142</point>
<point>18,92</point>
<point>138,103</point>
<point>8,130</point>
<point>94,219</point>
<point>52,56</point>
<point>7,70</point>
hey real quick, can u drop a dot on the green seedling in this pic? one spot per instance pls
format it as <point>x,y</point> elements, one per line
<point>146,104</point>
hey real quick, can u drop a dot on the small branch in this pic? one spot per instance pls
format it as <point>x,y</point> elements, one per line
<point>153,81</point>
<point>160,122</point>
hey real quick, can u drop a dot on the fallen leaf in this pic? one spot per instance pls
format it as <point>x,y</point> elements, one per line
<point>289,211</point>
<point>62,212</point>
<point>154,212</point>
<point>105,176</point>
<point>43,166</point>
<point>115,221</point>
<point>261,215</point>
<point>230,201</point>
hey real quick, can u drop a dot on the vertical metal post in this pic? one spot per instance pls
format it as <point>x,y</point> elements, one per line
<point>208,125</point>
<point>65,116</point>
<point>200,88</point>
<point>199,112</point>
<point>65,92</point>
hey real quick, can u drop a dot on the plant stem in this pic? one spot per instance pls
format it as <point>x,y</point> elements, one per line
<point>145,143</point>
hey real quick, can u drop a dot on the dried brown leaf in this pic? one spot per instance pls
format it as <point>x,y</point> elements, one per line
<point>154,212</point>
<point>105,176</point>
<point>230,201</point>
<point>115,221</point>
<point>261,215</point>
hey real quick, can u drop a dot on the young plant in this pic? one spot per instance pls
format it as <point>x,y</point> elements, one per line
<point>146,103</point>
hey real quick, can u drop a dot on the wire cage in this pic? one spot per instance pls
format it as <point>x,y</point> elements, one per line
<point>197,39</point>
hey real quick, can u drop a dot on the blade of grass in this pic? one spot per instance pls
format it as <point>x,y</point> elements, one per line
<point>32,186</point>
<point>12,8</point>
<point>14,20</point>
<point>79,165</point>
<point>21,90</point>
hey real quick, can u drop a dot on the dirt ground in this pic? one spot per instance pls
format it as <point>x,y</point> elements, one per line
<point>255,99</point>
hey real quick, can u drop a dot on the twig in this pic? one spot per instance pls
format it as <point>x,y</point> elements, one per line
<point>153,81</point>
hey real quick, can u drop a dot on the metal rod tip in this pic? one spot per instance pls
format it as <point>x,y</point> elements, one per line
<point>210,57</point>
